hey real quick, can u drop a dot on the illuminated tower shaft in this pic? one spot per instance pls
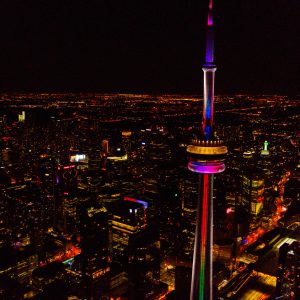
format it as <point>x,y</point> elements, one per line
<point>209,70</point>
<point>208,101</point>
<point>202,262</point>
<point>206,158</point>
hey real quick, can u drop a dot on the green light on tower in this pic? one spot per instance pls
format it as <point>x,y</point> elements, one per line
<point>265,150</point>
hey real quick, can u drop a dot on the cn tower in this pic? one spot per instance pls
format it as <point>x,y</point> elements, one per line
<point>206,157</point>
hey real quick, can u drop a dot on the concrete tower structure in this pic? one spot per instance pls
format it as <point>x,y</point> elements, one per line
<point>206,157</point>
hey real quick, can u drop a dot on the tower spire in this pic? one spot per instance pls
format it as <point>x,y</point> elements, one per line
<point>209,70</point>
<point>209,55</point>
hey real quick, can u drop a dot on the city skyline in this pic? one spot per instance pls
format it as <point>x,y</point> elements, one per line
<point>74,167</point>
<point>119,181</point>
<point>143,47</point>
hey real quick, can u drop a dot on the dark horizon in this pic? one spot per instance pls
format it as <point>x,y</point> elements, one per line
<point>146,93</point>
<point>146,47</point>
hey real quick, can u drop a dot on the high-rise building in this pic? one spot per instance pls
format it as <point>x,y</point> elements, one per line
<point>143,263</point>
<point>104,146</point>
<point>128,219</point>
<point>253,191</point>
<point>47,274</point>
<point>265,150</point>
<point>18,263</point>
<point>21,117</point>
<point>126,142</point>
<point>206,158</point>
<point>182,282</point>
<point>93,263</point>
<point>189,195</point>
<point>94,234</point>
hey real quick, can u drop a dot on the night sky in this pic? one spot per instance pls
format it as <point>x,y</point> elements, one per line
<point>148,45</point>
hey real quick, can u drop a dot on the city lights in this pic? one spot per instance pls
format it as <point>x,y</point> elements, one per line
<point>122,176</point>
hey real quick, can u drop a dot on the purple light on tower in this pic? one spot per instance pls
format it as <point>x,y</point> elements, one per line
<point>206,157</point>
<point>209,56</point>
<point>206,168</point>
<point>209,70</point>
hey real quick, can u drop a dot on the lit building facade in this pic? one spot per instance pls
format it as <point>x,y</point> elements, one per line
<point>93,261</point>
<point>253,192</point>
<point>128,218</point>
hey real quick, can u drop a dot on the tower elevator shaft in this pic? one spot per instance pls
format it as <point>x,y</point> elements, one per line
<point>202,271</point>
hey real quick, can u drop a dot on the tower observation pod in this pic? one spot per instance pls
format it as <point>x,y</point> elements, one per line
<point>206,157</point>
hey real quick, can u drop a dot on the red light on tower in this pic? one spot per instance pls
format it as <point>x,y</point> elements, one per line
<point>228,210</point>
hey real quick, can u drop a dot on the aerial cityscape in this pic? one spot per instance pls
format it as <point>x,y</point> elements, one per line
<point>150,195</point>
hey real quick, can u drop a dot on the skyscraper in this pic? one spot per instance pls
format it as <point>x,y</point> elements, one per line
<point>206,158</point>
<point>253,191</point>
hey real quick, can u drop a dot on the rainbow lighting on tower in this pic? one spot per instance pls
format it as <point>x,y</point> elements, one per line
<point>206,157</point>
